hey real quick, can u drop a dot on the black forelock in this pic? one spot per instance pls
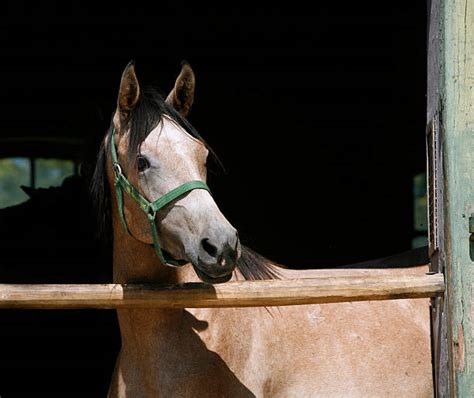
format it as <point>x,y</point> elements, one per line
<point>147,114</point>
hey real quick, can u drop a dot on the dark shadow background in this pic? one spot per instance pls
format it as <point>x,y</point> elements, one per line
<point>317,114</point>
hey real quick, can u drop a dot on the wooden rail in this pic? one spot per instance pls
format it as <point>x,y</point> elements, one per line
<point>232,294</point>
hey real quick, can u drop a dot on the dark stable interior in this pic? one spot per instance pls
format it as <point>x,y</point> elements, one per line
<point>317,115</point>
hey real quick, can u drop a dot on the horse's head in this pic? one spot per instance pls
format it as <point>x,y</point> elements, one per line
<point>159,151</point>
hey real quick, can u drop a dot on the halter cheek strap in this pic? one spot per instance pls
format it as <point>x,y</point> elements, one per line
<point>150,208</point>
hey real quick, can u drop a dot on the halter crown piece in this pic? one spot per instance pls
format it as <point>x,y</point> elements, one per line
<point>150,208</point>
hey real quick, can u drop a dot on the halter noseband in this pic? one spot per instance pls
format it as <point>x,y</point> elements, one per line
<point>150,208</point>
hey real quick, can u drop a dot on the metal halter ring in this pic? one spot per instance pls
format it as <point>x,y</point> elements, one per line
<point>117,171</point>
<point>151,213</point>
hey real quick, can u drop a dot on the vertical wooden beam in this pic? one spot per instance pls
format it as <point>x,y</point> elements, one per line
<point>451,100</point>
<point>435,68</point>
<point>458,155</point>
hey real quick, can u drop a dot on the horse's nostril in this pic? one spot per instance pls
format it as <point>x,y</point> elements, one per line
<point>209,247</point>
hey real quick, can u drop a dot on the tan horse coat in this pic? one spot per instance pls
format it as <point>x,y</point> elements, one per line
<point>362,349</point>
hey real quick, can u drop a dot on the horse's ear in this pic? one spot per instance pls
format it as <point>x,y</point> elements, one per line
<point>181,96</point>
<point>129,92</point>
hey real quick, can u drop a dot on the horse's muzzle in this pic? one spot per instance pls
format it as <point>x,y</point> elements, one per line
<point>216,262</point>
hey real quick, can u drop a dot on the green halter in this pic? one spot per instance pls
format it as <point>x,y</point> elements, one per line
<point>150,208</point>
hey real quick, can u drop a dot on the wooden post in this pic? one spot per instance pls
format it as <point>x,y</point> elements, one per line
<point>326,289</point>
<point>451,125</point>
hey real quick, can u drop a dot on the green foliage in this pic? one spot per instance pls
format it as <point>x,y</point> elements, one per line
<point>52,172</point>
<point>13,173</point>
<point>420,211</point>
<point>420,218</point>
<point>16,171</point>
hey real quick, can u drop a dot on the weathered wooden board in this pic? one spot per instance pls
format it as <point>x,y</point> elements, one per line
<point>232,294</point>
<point>451,110</point>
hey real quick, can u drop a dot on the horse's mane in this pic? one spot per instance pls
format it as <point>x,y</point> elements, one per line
<point>148,113</point>
<point>253,266</point>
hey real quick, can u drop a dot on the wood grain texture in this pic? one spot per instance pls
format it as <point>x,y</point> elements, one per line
<point>232,294</point>
<point>457,97</point>
<point>435,192</point>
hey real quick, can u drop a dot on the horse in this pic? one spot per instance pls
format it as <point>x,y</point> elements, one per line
<point>165,227</point>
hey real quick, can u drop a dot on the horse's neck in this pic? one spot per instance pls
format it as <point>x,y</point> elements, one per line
<point>137,262</point>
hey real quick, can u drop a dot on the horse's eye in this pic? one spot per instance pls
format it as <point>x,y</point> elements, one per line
<point>142,163</point>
